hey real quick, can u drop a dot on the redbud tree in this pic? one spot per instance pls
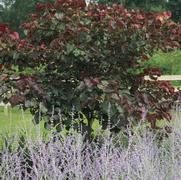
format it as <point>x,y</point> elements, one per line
<point>89,58</point>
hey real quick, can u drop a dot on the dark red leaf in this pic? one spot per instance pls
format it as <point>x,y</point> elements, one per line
<point>14,36</point>
<point>16,99</point>
<point>1,66</point>
<point>4,27</point>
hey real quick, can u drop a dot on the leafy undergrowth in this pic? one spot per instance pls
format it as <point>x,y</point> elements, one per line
<point>143,154</point>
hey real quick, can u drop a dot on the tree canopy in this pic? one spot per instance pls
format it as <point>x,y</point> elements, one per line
<point>90,58</point>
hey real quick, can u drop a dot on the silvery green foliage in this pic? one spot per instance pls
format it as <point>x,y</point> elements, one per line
<point>143,156</point>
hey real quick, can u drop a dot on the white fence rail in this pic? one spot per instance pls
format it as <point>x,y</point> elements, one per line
<point>166,78</point>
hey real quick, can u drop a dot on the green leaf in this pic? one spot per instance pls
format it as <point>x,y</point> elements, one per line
<point>105,107</point>
<point>104,83</point>
<point>95,125</point>
<point>70,48</point>
<point>84,118</point>
<point>43,109</point>
<point>59,15</point>
<point>28,104</point>
<point>120,109</point>
<point>114,96</point>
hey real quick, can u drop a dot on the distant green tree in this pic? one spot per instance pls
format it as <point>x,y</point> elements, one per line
<point>14,12</point>
<point>147,5</point>
<point>1,11</point>
<point>175,7</point>
<point>151,5</point>
<point>7,3</point>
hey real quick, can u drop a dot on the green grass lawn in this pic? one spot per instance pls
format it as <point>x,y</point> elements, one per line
<point>169,63</point>
<point>15,120</point>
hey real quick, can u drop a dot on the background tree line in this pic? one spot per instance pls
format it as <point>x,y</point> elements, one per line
<point>15,12</point>
<point>152,5</point>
